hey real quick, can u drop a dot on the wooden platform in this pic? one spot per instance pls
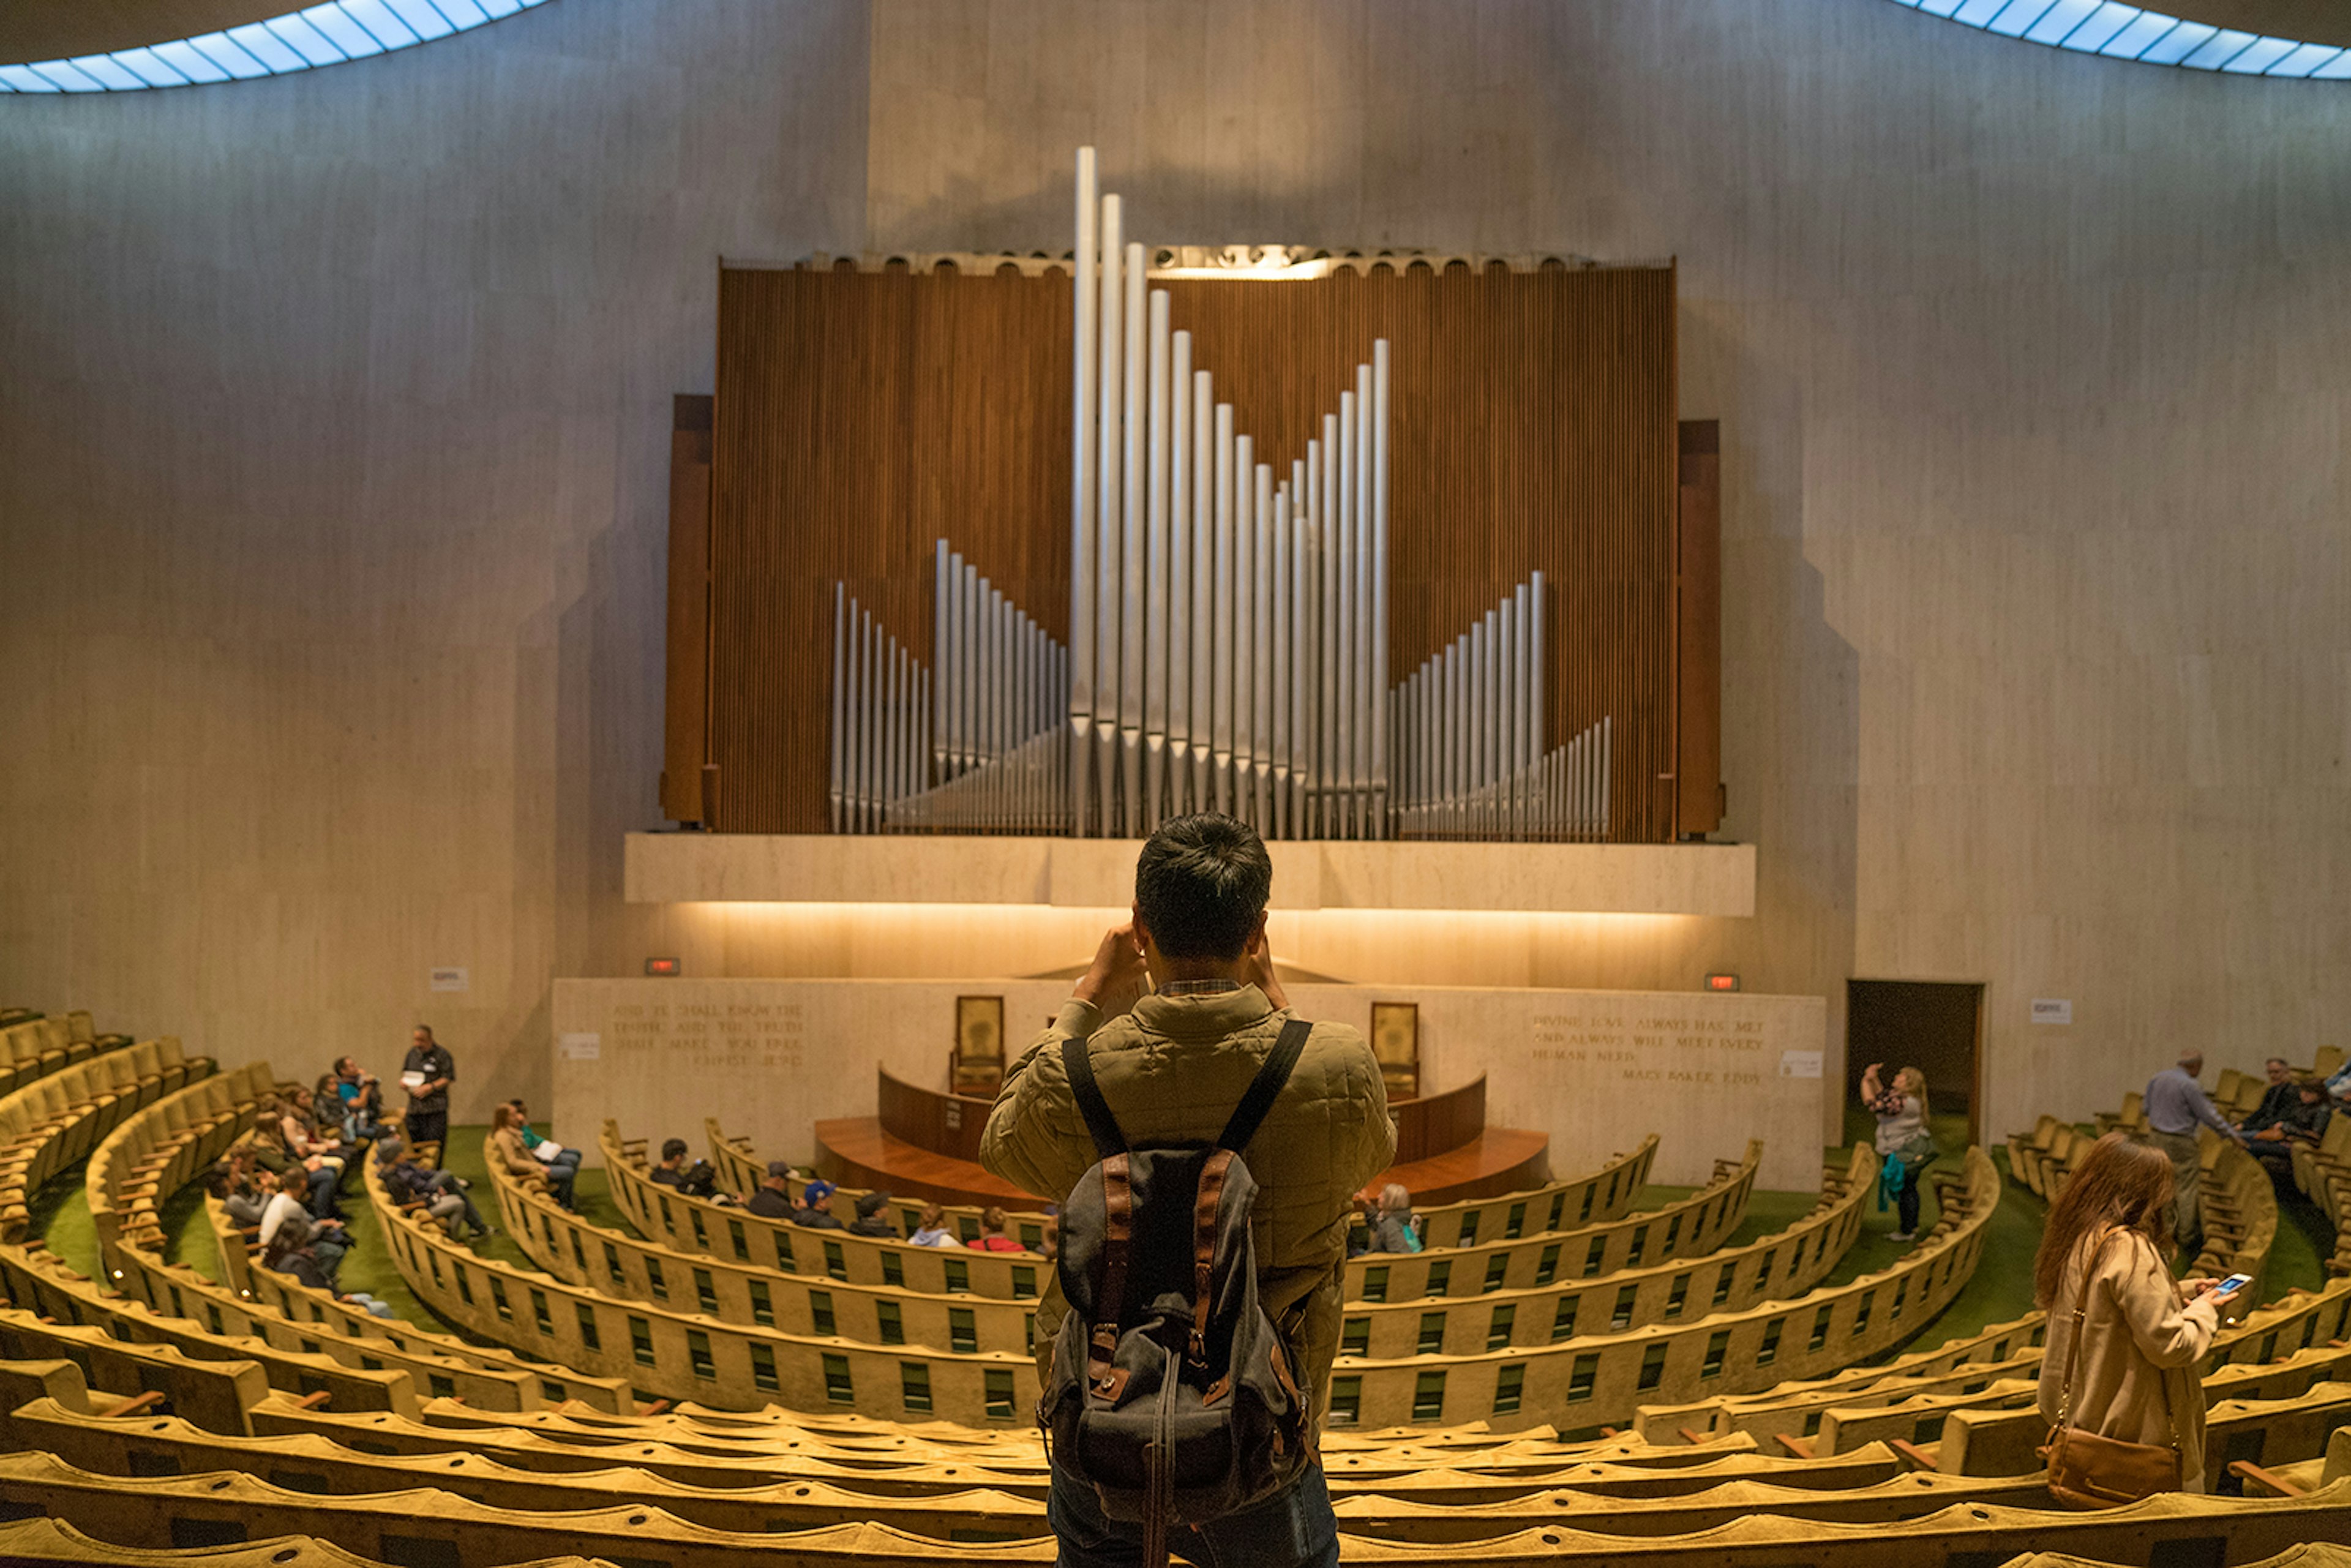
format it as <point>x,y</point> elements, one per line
<point>856,1151</point>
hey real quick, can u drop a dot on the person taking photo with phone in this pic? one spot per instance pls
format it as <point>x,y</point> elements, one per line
<point>2118,1383</point>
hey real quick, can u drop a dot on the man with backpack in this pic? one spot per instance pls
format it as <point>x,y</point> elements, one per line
<point>1205,1148</point>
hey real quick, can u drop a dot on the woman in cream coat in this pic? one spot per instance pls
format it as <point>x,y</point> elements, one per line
<point>2144,1332</point>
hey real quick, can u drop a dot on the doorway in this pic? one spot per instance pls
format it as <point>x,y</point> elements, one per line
<point>1935,1025</point>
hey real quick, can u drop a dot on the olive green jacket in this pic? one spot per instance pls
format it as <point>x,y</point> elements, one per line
<point>1171,1071</point>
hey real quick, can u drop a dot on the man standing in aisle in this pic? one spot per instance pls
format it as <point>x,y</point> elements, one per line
<point>2175,1104</point>
<point>1172,1066</point>
<point>426,1075</point>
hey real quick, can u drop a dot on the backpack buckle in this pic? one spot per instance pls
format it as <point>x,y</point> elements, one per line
<point>1196,1350</point>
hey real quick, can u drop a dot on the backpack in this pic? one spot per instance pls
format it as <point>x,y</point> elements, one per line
<point>1171,1391</point>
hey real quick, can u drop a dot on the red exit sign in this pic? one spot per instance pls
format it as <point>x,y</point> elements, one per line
<point>661,966</point>
<point>1722,982</point>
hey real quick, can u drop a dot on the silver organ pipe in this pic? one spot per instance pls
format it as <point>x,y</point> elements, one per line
<point>1229,632</point>
<point>1342,777</point>
<point>1220,622</point>
<point>1154,648</point>
<point>1244,625</point>
<point>1262,647</point>
<point>1378,423</point>
<point>1082,497</point>
<point>1204,598</point>
<point>1131,553</point>
<point>1178,674</point>
<point>1111,520</point>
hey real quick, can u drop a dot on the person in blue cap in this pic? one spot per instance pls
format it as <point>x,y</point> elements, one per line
<point>815,1210</point>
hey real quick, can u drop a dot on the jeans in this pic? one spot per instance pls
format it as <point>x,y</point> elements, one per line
<point>1293,1529</point>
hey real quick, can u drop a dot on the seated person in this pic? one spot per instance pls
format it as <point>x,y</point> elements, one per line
<point>438,1193</point>
<point>2339,1086</point>
<point>304,1137</point>
<point>772,1200</point>
<point>2303,1123</point>
<point>871,1219</point>
<point>231,1181</point>
<point>271,1156</point>
<point>671,1171</point>
<point>935,1230</point>
<point>362,1100</point>
<point>286,1228</point>
<point>2276,1099</point>
<point>1395,1227</point>
<point>992,1238</point>
<point>506,1147</point>
<point>546,1151</point>
<point>815,1210</point>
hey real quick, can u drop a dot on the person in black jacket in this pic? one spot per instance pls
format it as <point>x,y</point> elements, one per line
<point>427,1073</point>
<point>872,1219</point>
<point>815,1211</point>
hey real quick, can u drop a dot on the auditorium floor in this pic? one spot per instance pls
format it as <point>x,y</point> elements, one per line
<point>2001,1290</point>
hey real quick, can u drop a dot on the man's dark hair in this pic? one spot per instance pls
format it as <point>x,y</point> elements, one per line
<point>1200,884</point>
<point>673,1148</point>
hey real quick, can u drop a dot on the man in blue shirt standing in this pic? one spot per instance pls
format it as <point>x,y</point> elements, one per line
<point>2175,1104</point>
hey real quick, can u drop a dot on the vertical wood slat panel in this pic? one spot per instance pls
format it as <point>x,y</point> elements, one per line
<point>861,415</point>
<point>685,735</point>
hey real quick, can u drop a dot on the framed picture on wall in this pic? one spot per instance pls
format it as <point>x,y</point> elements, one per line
<point>1395,1040</point>
<point>978,1044</point>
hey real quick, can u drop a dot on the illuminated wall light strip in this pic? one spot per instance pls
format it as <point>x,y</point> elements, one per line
<point>2151,37</point>
<point>327,35</point>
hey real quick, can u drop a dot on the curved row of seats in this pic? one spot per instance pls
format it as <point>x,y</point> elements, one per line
<point>705,1344</point>
<point>1595,1198</point>
<point>2238,1201</point>
<point>1517,1258</point>
<point>2323,1172</point>
<point>53,1121</point>
<point>217,1452</point>
<point>744,1252</point>
<point>259,1303</point>
<point>1401,1305</point>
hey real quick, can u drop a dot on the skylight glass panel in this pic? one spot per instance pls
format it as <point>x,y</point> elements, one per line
<point>2056,23</point>
<point>2099,28</point>
<point>465,13</point>
<point>382,24</point>
<point>149,68</point>
<point>493,9</point>
<point>24,78</point>
<point>2132,40</point>
<point>2223,46</point>
<point>267,47</point>
<point>297,33</point>
<point>2259,55</point>
<point>2336,69</point>
<point>2017,16</point>
<point>1976,12</point>
<point>341,31</point>
<point>68,77</point>
<point>212,58</point>
<point>422,17</point>
<point>106,71</point>
<point>1940,7</point>
<point>2179,44</point>
<point>2304,58</point>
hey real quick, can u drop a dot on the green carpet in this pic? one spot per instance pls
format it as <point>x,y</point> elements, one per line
<point>58,1213</point>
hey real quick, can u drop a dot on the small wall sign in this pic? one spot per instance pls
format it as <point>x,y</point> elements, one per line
<point>2053,1009</point>
<point>450,978</point>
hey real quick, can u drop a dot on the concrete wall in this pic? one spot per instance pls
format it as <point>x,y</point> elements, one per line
<point>332,452</point>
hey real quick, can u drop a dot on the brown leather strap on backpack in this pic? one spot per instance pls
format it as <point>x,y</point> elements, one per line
<point>1118,1235</point>
<point>1204,1246</point>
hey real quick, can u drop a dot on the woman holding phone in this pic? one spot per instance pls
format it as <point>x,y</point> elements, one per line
<point>2124,1336</point>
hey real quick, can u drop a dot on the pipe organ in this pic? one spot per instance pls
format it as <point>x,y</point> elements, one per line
<point>1229,632</point>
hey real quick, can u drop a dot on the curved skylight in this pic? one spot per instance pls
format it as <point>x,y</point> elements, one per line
<point>2136,33</point>
<point>324,34</point>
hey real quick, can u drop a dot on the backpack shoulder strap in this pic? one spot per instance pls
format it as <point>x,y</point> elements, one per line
<point>1279,1064</point>
<point>1080,1067</point>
